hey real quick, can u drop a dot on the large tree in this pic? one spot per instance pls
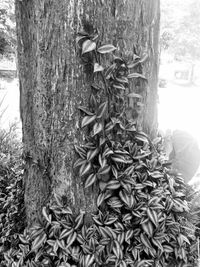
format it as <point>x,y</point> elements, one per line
<point>53,83</point>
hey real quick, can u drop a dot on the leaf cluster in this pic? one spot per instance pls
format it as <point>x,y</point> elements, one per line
<point>12,216</point>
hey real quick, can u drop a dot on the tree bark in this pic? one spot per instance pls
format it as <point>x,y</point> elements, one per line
<point>53,83</point>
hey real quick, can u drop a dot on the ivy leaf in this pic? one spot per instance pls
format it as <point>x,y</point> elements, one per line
<point>182,238</point>
<point>102,185</point>
<point>23,239</point>
<point>118,159</point>
<point>117,250</point>
<point>122,80</point>
<point>100,199</point>
<point>142,60</point>
<point>115,172</point>
<point>96,219</point>
<point>107,232</point>
<point>90,180</point>
<point>110,220</point>
<point>136,75</point>
<point>102,141</point>
<point>128,235</point>
<point>168,248</point>
<point>61,243</point>
<point>104,170</point>
<point>40,239</point>
<point>93,101</point>
<point>134,95</point>
<point>107,151</point>
<point>88,46</point>
<point>124,197</point>
<point>96,87</point>
<point>141,137</point>
<point>113,185</point>
<point>109,71</point>
<point>145,241</point>
<point>152,216</point>
<point>98,67</point>
<point>157,243</point>
<point>119,86</point>
<point>139,186</point>
<point>85,169</point>
<point>156,174</point>
<point>85,110</point>
<point>87,120</point>
<point>79,162</point>
<point>80,151</point>
<point>89,259</point>
<point>71,238</point>
<point>130,128</point>
<point>106,49</point>
<point>115,203</point>
<point>65,233</point>
<point>180,205</point>
<point>46,215</point>
<point>98,127</point>
<point>146,262</point>
<point>79,219</point>
<point>102,160</point>
<point>109,126</point>
<point>92,153</point>
<point>102,110</point>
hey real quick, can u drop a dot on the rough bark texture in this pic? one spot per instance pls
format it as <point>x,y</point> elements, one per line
<point>53,84</point>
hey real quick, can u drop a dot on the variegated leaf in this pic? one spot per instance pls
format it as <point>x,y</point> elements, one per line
<point>87,120</point>
<point>90,180</point>
<point>88,46</point>
<point>106,48</point>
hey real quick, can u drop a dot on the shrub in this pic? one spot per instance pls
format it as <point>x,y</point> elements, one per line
<point>12,217</point>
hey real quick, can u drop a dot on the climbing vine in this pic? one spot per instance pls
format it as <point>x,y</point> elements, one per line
<point>140,205</point>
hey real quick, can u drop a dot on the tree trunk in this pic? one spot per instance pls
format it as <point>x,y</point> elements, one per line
<point>53,83</point>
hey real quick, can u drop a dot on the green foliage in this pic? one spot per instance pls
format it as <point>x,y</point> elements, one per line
<point>12,217</point>
<point>140,204</point>
<point>10,146</point>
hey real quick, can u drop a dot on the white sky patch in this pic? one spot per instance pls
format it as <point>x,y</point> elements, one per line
<point>179,108</point>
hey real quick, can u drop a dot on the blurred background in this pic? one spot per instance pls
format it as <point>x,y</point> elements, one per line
<point>179,79</point>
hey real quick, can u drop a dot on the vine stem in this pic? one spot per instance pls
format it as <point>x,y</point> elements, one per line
<point>104,81</point>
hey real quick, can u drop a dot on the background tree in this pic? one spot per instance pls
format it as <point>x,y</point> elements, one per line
<point>53,85</point>
<point>7,28</point>
<point>177,27</point>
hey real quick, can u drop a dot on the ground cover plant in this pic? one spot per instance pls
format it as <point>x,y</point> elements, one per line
<point>12,215</point>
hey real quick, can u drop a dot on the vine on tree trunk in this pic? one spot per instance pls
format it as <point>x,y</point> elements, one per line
<point>139,204</point>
